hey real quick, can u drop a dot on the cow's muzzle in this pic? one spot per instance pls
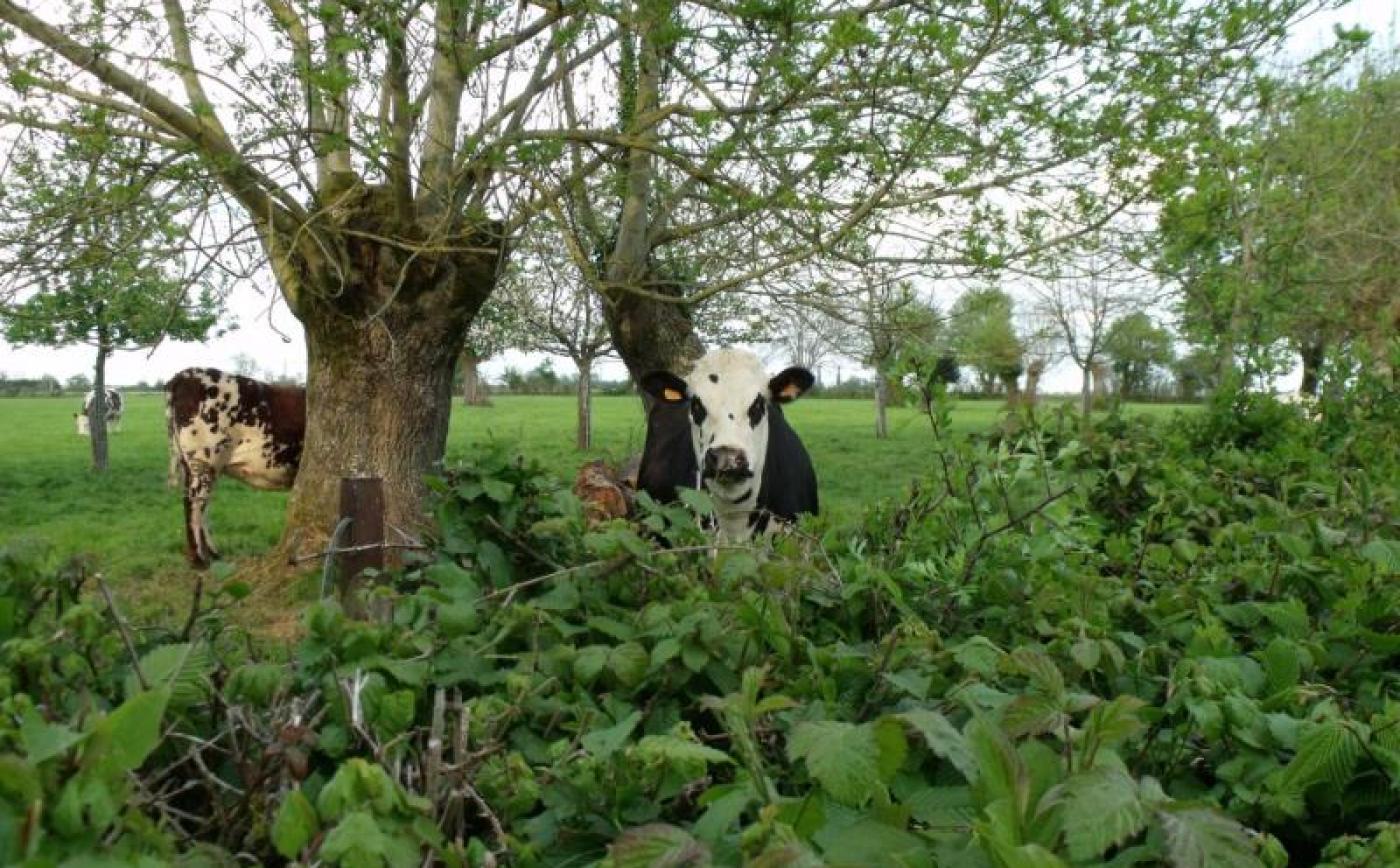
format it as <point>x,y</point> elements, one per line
<point>727,464</point>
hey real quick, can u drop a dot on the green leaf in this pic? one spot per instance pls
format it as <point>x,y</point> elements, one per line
<point>133,729</point>
<point>657,846</point>
<point>1384,554</point>
<point>675,749</point>
<point>1002,774</point>
<point>979,655</point>
<point>184,668</point>
<point>724,805</point>
<point>1327,753</point>
<point>43,740</point>
<point>1032,714</point>
<point>1041,670</point>
<point>1201,837</point>
<point>889,736</point>
<point>1282,665</point>
<point>1086,652</point>
<point>358,839</point>
<point>603,743</point>
<point>589,663</point>
<point>943,739</point>
<point>1115,721</point>
<point>870,843</point>
<point>498,489</point>
<point>628,663</point>
<point>295,826</point>
<point>1101,810</point>
<point>843,757</point>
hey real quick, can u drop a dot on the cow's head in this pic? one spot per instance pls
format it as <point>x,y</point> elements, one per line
<point>728,396</point>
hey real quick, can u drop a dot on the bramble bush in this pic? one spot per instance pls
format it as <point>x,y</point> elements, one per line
<point>1130,644</point>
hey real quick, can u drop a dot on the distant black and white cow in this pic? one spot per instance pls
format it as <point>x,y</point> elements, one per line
<point>722,428</point>
<point>113,412</point>
<point>231,425</point>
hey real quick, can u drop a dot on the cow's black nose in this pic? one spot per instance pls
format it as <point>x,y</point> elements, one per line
<point>725,460</point>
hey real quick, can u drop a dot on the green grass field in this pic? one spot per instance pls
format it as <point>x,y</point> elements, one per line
<point>130,522</point>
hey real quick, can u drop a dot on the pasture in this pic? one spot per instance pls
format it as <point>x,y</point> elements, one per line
<point>129,521</point>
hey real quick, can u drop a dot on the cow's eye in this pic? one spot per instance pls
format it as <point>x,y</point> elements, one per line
<point>756,411</point>
<point>697,410</point>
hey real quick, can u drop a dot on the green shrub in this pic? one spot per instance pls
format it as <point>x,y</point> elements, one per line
<point>1135,643</point>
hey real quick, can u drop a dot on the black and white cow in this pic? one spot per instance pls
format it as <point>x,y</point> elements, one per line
<point>112,412</point>
<point>722,428</point>
<point>231,425</point>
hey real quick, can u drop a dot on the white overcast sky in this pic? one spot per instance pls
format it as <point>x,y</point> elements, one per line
<point>269,333</point>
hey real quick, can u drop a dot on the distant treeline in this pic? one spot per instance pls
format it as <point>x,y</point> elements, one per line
<point>52,387</point>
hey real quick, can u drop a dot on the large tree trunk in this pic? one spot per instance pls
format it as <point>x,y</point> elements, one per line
<point>652,335</point>
<point>1013,390</point>
<point>381,349</point>
<point>472,393</point>
<point>97,413</point>
<point>585,403</point>
<point>882,400</point>
<point>1313,354</point>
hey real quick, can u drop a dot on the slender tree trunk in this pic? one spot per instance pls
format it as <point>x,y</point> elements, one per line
<point>1100,372</point>
<point>97,413</point>
<point>1313,354</point>
<point>882,400</point>
<point>585,403</point>
<point>472,393</point>
<point>648,333</point>
<point>1086,395</point>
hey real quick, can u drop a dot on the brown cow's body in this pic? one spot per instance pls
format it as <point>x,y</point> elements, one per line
<point>230,425</point>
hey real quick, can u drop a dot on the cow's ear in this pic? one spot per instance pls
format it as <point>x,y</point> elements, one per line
<point>665,387</point>
<point>790,385</point>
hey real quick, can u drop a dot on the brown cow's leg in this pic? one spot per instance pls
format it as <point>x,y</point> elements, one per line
<point>199,485</point>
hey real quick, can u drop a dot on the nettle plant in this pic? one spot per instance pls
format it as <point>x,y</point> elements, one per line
<point>1129,644</point>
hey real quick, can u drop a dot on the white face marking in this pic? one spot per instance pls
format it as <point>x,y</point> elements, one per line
<point>729,407</point>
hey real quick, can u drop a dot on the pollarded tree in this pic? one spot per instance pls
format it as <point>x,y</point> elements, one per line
<point>1135,346</point>
<point>887,326</point>
<point>982,335</point>
<point>367,151</point>
<point>111,274</point>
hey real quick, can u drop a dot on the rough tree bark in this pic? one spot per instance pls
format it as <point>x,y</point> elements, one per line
<point>651,335</point>
<point>381,348</point>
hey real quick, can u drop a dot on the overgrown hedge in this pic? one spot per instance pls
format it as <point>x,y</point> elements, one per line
<point>1134,645</point>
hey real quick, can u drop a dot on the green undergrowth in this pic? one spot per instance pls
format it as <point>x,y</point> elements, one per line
<point>1138,644</point>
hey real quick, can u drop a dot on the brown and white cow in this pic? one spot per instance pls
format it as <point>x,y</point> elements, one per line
<point>112,411</point>
<point>226,424</point>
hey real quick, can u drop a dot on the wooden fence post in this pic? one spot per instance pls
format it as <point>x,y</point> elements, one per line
<point>361,501</point>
